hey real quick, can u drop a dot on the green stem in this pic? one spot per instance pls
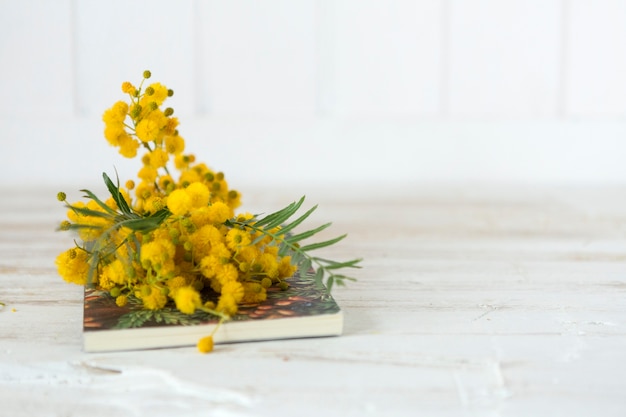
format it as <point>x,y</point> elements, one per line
<point>223,317</point>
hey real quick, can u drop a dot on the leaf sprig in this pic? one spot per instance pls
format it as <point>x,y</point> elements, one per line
<point>101,248</point>
<point>126,217</point>
<point>290,243</point>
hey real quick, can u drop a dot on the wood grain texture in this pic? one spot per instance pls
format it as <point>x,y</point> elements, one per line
<point>471,302</point>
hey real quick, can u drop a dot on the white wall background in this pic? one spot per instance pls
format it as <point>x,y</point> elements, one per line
<point>324,92</point>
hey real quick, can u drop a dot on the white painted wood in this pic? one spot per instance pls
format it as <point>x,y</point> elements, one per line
<point>382,58</point>
<point>472,301</point>
<point>36,58</point>
<point>117,40</point>
<point>596,55</point>
<point>432,58</point>
<point>343,91</point>
<point>504,58</point>
<point>257,58</point>
<point>335,152</point>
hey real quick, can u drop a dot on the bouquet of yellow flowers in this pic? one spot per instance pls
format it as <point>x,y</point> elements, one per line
<point>174,231</point>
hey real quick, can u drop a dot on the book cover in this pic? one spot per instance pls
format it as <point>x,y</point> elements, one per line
<point>305,309</point>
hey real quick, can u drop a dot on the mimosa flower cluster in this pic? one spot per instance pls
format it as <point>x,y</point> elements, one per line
<point>164,237</point>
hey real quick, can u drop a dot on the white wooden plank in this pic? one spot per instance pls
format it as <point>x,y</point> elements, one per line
<point>596,57</point>
<point>117,40</point>
<point>504,58</point>
<point>257,58</point>
<point>385,58</point>
<point>36,56</point>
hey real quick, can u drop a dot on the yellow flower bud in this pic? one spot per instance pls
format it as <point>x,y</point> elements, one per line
<point>136,111</point>
<point>145,291</point>
<point>157,204</point>
<point>128,88</point>
<point>121,300</point>
<point>205,345</point>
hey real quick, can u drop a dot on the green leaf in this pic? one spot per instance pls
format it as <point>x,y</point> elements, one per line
<point>116,194</point>
<point>296,258</point>
<point>75,226</point>
<point>295,223</point>
<point>279,217</point>
<point>329,283</point>
<point>305,265</point>
<point>139,225</point>
<point>307,234</point>
<point>145,224</point>
<point>283,249</point>
<point>99,202</point>
<point>92,213</point>
<point>319,275</point>
<point>339,279</point>
<point>279,221</point>
<point>322,244</point>
<point>337,265</point>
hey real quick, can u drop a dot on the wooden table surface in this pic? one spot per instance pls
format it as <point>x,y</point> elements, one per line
<point>472,302</point>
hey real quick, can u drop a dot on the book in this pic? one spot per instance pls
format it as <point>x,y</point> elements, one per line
<point>304,310</point>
